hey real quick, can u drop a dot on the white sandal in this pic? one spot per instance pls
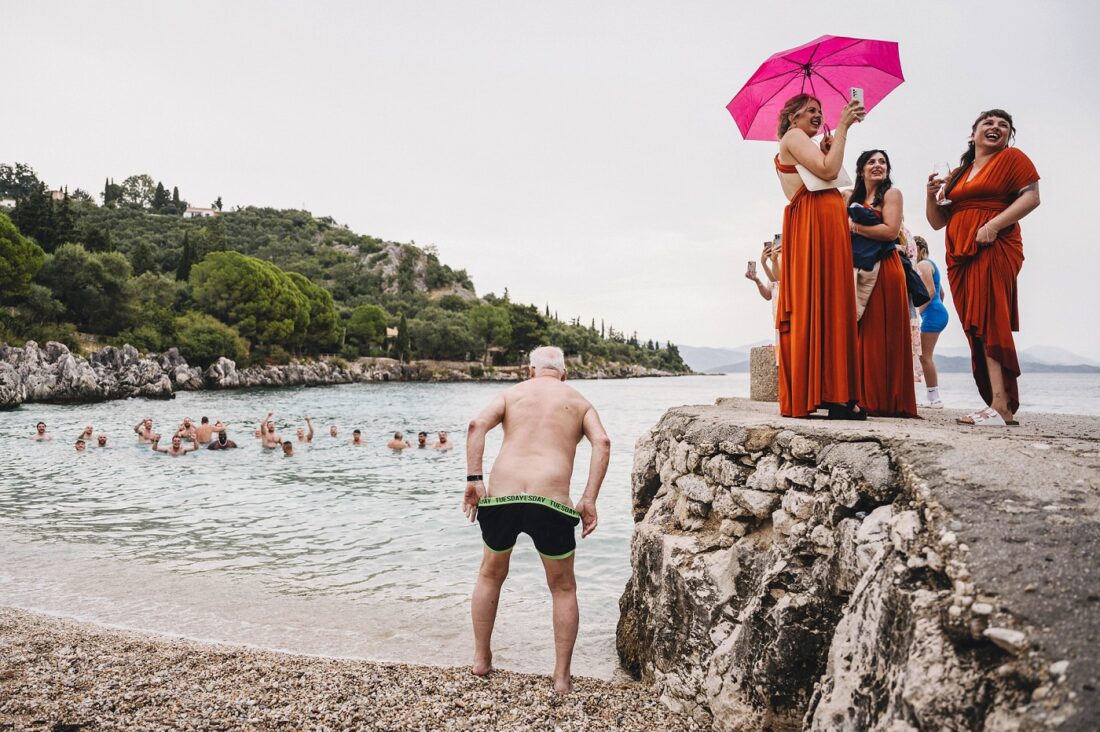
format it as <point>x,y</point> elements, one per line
<point>938,404</point>
<point>987,417</point>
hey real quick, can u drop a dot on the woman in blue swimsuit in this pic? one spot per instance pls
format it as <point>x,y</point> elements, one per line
<point>933,320</point>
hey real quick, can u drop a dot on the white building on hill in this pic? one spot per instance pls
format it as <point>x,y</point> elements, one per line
<point>193,212</point>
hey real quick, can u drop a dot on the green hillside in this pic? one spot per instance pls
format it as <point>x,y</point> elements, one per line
<point>255,284</point>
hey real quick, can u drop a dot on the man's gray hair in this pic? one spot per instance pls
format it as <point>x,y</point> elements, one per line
<point>548,357</point>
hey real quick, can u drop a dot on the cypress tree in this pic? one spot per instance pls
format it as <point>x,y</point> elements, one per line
<point>176,200</point>
<point>403,345</point>
<point>160,198</point>
<point>187,258</point>
<point>142,259</point>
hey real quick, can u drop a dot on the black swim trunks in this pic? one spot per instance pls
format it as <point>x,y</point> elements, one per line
<point>549,524</point>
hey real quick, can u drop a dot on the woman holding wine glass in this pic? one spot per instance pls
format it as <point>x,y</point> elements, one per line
<point>984,199</point>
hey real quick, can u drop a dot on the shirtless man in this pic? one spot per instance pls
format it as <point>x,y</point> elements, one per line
<point>357,437</point>
<point>101,440</point>
<point>87,434</point>
<point>398,442</point>
<point>222,441</point>
<point>40,433</point>
<point>303,436</point>
<point>288,448</point>
<point>80,444</point>
<point>187,430</point>
<point>177,447</point>
<point>269,438</point>
<point>205,431</point>
<point>332,431</point>
<point>421,439</point>
<point>144,430</point>
<point>543,420</point>
<point>443,444</point>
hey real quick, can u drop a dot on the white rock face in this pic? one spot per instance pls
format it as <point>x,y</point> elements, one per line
<point>787,581</point>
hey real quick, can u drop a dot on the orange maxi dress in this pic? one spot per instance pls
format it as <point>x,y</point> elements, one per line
<point>983,278</point>
<point>817,304</point>
<point>886,346</point>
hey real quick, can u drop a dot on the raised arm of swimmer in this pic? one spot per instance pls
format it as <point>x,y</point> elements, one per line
<point>480,426</point>
<point>597,469</point>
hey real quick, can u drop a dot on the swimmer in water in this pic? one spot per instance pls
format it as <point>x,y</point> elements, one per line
<point>177,447</point>
<point>398,442</point>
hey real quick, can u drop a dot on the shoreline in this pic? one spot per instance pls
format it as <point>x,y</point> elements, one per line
<point>51,374</point>
<point>56,672</point>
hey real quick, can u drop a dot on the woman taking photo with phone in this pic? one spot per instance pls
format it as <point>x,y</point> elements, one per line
<point>816,319</point>
<point>992,189</point>
<point>885,345</point>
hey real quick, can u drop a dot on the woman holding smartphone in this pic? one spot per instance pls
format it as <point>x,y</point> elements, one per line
<point>816,318</point>
<point>992,189</point>
<point>885,345</point>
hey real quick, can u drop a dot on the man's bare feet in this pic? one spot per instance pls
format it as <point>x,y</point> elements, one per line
<point>482,667</point>
<point>563,686</point>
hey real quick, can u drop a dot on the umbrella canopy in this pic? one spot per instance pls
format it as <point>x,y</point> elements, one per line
<point>827,68</point>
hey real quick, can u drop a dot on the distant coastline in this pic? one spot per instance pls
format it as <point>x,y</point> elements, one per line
<point>53,374</point>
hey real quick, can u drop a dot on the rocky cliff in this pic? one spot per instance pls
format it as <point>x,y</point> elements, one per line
<point>888,575</point>
<point>53,374</point>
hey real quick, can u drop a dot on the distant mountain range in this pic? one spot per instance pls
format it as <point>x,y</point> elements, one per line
<point>1037,359</point>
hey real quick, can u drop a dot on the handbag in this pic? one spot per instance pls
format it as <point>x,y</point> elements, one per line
<point>918,293</point>
<point>814,184</point>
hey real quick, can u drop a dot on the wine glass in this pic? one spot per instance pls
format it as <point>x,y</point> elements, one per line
<point>942,171</point>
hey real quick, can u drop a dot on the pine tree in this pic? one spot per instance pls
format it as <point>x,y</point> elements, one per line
<point>187,258</point>
<point>142,260</point>
<point>218,203</point>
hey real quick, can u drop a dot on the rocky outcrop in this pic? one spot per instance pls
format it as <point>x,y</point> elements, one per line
<point>53,374</point>
<point>788,577</point>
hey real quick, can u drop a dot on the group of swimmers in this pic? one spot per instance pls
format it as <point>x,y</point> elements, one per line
<point>215,437</point>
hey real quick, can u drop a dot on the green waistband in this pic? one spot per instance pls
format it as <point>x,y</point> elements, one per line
<point>528,498</point>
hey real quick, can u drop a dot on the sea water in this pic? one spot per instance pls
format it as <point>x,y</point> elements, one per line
<point>340,550</point>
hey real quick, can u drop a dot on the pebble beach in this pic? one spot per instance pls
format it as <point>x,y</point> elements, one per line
<point>58,674</point>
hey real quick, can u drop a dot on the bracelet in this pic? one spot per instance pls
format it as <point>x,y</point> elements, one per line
<point>473,478</point>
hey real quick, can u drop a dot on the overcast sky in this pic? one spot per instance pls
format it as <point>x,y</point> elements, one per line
<point>577,153</point>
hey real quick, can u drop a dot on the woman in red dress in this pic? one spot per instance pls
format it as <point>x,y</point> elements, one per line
<point>816,319</point>
<point>994,187</point>
<point>885,345</point>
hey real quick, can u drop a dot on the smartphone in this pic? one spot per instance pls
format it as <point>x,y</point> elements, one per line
<point>752,268</point>
<point>777,241</point>
<point>857,95</point>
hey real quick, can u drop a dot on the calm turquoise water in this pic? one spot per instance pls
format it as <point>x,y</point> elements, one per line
<point>340,550</point>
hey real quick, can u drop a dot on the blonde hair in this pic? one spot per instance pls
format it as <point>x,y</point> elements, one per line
<point>792,106</point>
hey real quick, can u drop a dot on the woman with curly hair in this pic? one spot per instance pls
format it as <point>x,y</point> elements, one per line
<point>994,187</point>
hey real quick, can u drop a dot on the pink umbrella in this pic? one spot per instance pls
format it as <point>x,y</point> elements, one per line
<point>827,68</point>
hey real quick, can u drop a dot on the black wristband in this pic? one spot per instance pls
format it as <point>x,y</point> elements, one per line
<point>472,478</point>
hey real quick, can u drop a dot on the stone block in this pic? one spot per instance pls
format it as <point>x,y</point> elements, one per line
<point>763,375</point>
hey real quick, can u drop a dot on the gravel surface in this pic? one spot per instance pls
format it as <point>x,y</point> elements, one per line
<point>64,676</point>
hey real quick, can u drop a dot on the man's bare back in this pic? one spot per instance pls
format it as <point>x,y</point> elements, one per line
<point>543,421</point>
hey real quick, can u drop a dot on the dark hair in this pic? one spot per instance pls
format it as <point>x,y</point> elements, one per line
<point>967,158</point>
<point>859,192</point>
<point>41,423</point>
<point>204,420</point>
<point>791,106</point>
<point>421,434</point>
<point>357,432</point>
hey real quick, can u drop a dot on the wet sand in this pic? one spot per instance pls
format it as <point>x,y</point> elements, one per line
<point>60,674</point>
